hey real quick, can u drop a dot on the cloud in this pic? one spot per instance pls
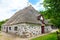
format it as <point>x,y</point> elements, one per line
<point>38,6</point>
<point>9,7</point>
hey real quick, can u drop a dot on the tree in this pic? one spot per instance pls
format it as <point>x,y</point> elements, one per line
<point>52,11</point>
<point>2,22</point>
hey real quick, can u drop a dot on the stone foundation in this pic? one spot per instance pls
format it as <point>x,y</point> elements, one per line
<point>24,30</point>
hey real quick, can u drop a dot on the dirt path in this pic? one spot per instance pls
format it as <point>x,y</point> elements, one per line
<point>6,36</point>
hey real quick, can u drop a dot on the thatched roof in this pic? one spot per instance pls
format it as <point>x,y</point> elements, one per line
<point>27,15</point>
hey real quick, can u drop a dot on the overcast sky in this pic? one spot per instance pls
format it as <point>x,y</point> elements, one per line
<point>9,7</point>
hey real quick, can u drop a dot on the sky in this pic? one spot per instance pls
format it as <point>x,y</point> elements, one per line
<point>10,7</point>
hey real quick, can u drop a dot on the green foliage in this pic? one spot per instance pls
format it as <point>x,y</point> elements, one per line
<point>53,5</point>
<point>44,14</point>
<point>2,22</point>
<point>52,11</point>
<point>51,36</point>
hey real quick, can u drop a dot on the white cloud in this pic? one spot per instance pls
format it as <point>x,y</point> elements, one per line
<point>8,7</point>
<point>39,6</point>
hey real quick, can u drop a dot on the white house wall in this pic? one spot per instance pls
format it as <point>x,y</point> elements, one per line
<point>30,29</point>
<point>47,29</point>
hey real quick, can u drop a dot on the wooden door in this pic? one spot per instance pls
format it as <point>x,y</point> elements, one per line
<point>6,29</point>
<point>42,29</point>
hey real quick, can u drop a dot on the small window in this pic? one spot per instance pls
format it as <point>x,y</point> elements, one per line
<point>15,28</point>
<point>9,28</point>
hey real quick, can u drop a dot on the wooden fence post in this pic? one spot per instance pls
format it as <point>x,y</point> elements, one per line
<point>58,35</point>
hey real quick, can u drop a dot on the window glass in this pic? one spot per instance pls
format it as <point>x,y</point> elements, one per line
<point>9,28</point>
<point>15,28</point>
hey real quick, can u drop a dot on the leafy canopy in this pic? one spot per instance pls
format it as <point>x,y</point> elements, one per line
<point>52,11</point>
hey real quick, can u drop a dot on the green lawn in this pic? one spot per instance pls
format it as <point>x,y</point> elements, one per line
<point>51,36</point>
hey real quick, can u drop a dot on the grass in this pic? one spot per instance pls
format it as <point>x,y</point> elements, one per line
<point>51,36</point>
<point>0,36</point>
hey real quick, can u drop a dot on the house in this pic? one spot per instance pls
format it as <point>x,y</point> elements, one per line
<point>26,23</point>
